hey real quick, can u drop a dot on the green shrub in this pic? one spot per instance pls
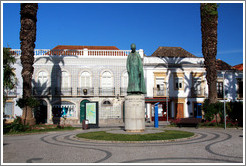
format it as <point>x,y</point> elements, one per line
<point>16,126</point>
<point>212,110</point>
<point>30,101</point>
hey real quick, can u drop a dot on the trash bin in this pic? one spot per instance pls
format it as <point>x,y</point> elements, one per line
<point>85,124</point>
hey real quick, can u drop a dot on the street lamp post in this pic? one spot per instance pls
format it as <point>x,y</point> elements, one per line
<point>223,72</point>
<point>166,101</point>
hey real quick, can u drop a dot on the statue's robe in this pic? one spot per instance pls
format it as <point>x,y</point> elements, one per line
<point>136,83</point>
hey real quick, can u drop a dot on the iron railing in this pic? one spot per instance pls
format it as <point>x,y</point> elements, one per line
<point>123,91</point>
<point>63,91</point>
<point>85,91</point>
<point>107,91</point>
<point>197,92</point>
<point>159,92</point>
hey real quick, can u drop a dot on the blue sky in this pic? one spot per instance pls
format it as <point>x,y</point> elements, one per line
<point>148,25</point>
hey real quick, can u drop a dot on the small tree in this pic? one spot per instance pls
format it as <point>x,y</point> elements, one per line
<point>9,79</point>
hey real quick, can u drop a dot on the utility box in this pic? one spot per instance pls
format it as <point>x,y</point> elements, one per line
<point>85,124</point>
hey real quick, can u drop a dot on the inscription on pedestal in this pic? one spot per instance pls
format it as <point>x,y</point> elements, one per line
<point>134,113</point>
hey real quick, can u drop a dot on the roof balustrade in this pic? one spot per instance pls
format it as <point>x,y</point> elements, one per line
<point>80,53</point>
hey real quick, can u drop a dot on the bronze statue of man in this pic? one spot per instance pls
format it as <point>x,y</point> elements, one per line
<point>136,83</point>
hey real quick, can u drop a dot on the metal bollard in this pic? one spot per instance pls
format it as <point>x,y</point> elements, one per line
<point>156,116</point>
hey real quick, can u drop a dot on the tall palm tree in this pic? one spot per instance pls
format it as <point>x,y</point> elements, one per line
<point>28,37</point>
<point>209,22</point>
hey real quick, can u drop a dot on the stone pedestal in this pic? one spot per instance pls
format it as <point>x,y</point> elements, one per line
<point>135,113</point>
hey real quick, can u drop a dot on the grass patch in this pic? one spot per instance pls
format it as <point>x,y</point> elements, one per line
<point>40,129</point>
<point>166,135</point>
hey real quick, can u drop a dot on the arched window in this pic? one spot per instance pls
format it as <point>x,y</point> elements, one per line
<point>124,82</point>
<point>65,83</point>
<point>42,78</point>
<point>107,80</point>
<point>85,79</point>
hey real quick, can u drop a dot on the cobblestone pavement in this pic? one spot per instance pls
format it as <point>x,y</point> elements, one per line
<point>208,146</point>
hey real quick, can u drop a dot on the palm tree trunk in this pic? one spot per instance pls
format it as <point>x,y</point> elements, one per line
<point>209,21</point>
<point>28,38</point>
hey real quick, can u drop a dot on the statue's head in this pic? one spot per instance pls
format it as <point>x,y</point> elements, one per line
<point>133,47</point>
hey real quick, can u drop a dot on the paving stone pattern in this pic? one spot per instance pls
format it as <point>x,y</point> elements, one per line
<point>208,146</point>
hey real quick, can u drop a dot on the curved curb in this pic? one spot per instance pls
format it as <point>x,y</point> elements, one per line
<point>154,141</point>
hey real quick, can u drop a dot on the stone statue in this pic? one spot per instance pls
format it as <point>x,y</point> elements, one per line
<point>136,84</point>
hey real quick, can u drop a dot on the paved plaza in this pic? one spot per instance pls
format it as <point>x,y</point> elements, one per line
<point>209,145</point>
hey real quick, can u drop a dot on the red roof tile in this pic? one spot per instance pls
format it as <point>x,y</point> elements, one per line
<point>239,67</point>
<point>172,52</point>
<point>221,65</point>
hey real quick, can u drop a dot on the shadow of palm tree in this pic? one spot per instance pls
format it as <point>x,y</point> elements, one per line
<point>56,90</point>
<point>177,64</point>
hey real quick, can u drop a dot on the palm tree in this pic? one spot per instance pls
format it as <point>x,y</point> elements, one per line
<point>28,37</point>
<point>209,22</point>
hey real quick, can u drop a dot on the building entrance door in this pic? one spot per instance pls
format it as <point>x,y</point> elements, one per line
<point>179,110</point>
<point>83,109</point>
<point>40,113</point>
<point>198,110</point>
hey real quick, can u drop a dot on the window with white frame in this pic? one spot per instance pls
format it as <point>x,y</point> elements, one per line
<point>125,80</point>
<point>179,83</point>
<point>160,83</point>
<point>197,82</point>
<point>8,110</point>
<point>42,78</point>
<point>107,80</point>
<point>85,79</point>
<point>65,80</point>
<point>160,86</point>
<point>220,90</point>
<point>107,84</point>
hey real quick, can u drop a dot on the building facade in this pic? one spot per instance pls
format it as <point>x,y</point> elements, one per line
<point>67,78</point>
<point>177,80</point>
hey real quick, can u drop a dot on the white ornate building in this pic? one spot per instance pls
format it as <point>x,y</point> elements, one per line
<point>67,77</point>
